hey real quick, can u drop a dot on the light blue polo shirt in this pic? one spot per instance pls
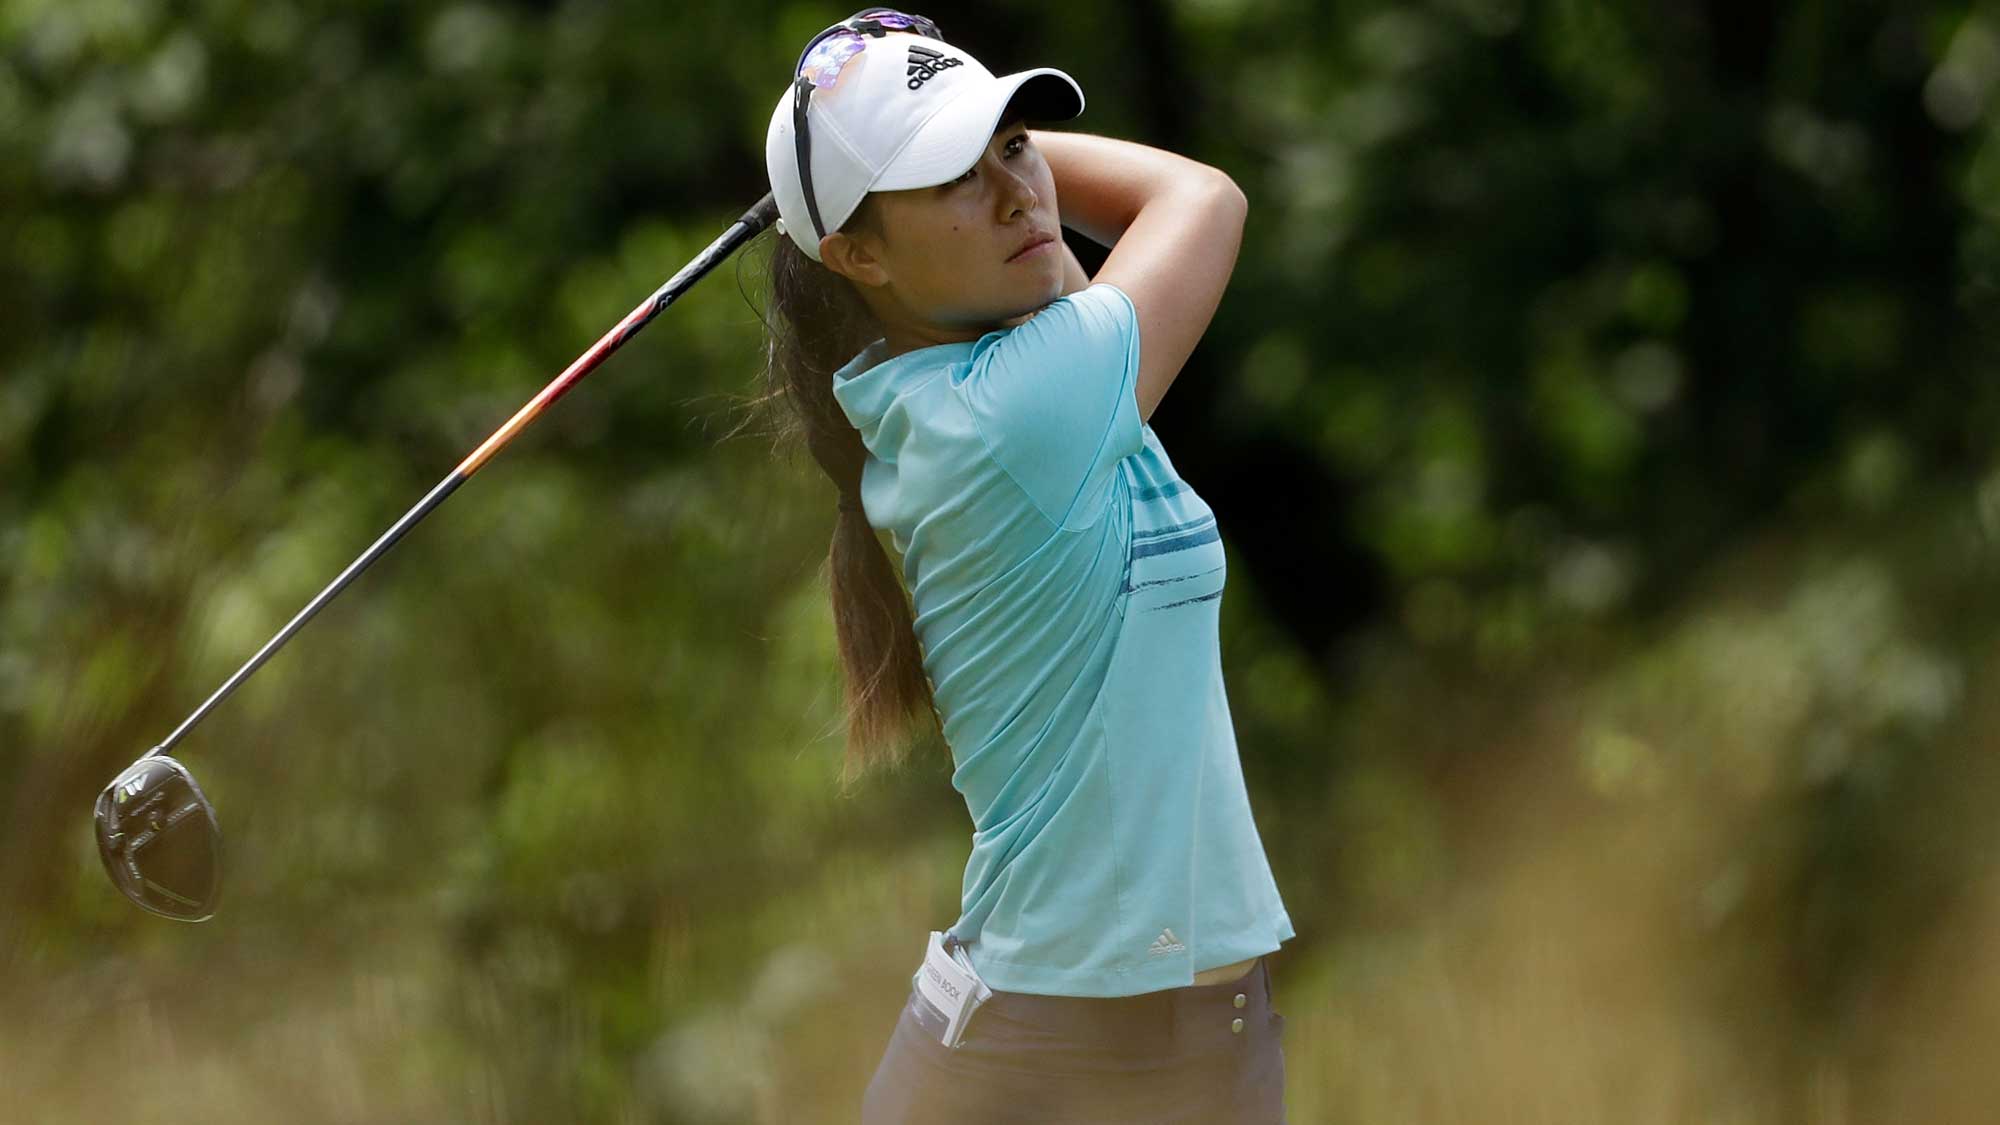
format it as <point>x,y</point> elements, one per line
<point>1067,585</point>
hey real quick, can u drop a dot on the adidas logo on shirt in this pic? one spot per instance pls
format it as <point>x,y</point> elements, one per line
<point>926,64</point>
<point>1165,944</point>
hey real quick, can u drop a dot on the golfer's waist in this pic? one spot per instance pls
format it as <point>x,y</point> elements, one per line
<point>1206,984</point>
<point>1223,974</point>
<point>1142,1009</point>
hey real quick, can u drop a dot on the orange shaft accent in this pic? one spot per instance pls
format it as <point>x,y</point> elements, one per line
<point>582,366</point>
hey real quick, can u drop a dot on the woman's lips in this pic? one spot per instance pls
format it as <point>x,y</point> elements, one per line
<point>1034,249</point>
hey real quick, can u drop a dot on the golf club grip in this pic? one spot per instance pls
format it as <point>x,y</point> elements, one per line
<point>760,215</point>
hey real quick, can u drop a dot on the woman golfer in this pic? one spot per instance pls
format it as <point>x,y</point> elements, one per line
<point>973,393</point>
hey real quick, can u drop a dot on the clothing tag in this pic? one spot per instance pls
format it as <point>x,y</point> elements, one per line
<point>951,985</point>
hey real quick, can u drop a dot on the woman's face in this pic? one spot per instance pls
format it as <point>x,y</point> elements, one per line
<point>956,260</point>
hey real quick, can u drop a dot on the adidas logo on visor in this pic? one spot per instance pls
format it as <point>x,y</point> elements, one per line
<point>926,64</point>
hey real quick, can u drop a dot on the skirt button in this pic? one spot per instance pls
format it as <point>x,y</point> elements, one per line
<point>1241,999</point>
<point>1236,1026</point>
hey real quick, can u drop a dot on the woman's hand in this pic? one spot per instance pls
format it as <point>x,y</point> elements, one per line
<point>1174,227</point>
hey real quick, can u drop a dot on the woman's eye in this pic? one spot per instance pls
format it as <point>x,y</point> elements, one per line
<point>1014,147</point>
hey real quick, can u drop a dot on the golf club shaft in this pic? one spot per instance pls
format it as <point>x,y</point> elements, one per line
<point>742,230</point>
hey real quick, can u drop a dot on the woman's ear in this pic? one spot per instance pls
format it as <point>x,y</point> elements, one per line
<point>857,258</point>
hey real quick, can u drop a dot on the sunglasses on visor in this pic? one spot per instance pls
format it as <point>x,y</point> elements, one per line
<point>819,68</point>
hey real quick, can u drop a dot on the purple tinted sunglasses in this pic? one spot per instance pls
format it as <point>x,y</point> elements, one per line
<point>819,67</point>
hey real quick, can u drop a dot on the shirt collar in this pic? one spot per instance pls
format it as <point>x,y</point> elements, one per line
<point>868,384</point>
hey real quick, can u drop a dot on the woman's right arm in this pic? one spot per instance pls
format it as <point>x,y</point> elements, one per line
<point>1174,227</point>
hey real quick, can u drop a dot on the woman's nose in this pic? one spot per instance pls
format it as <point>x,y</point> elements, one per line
<point>1016,194</point>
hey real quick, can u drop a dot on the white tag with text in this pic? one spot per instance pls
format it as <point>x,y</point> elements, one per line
<point>949,983</point>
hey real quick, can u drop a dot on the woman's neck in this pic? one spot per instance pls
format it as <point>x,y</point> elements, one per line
<point>901,338</point>
<point>902,335</point>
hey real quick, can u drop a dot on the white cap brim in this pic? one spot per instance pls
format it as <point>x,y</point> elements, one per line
<point>951,141</point>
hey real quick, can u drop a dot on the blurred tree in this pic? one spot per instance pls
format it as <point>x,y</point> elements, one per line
<point>1599,420</point>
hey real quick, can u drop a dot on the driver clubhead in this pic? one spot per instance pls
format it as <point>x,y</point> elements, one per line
<point>157,836</point>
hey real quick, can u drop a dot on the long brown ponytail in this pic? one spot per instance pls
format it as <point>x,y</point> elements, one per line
<point>814,323</point>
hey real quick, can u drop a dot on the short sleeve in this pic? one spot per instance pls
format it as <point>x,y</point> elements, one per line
<point>1056,400</point>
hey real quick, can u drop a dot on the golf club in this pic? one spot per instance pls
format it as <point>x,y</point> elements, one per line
<point>156,831</point>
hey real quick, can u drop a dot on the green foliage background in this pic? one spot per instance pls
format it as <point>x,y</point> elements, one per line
<point>1600,424</point>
